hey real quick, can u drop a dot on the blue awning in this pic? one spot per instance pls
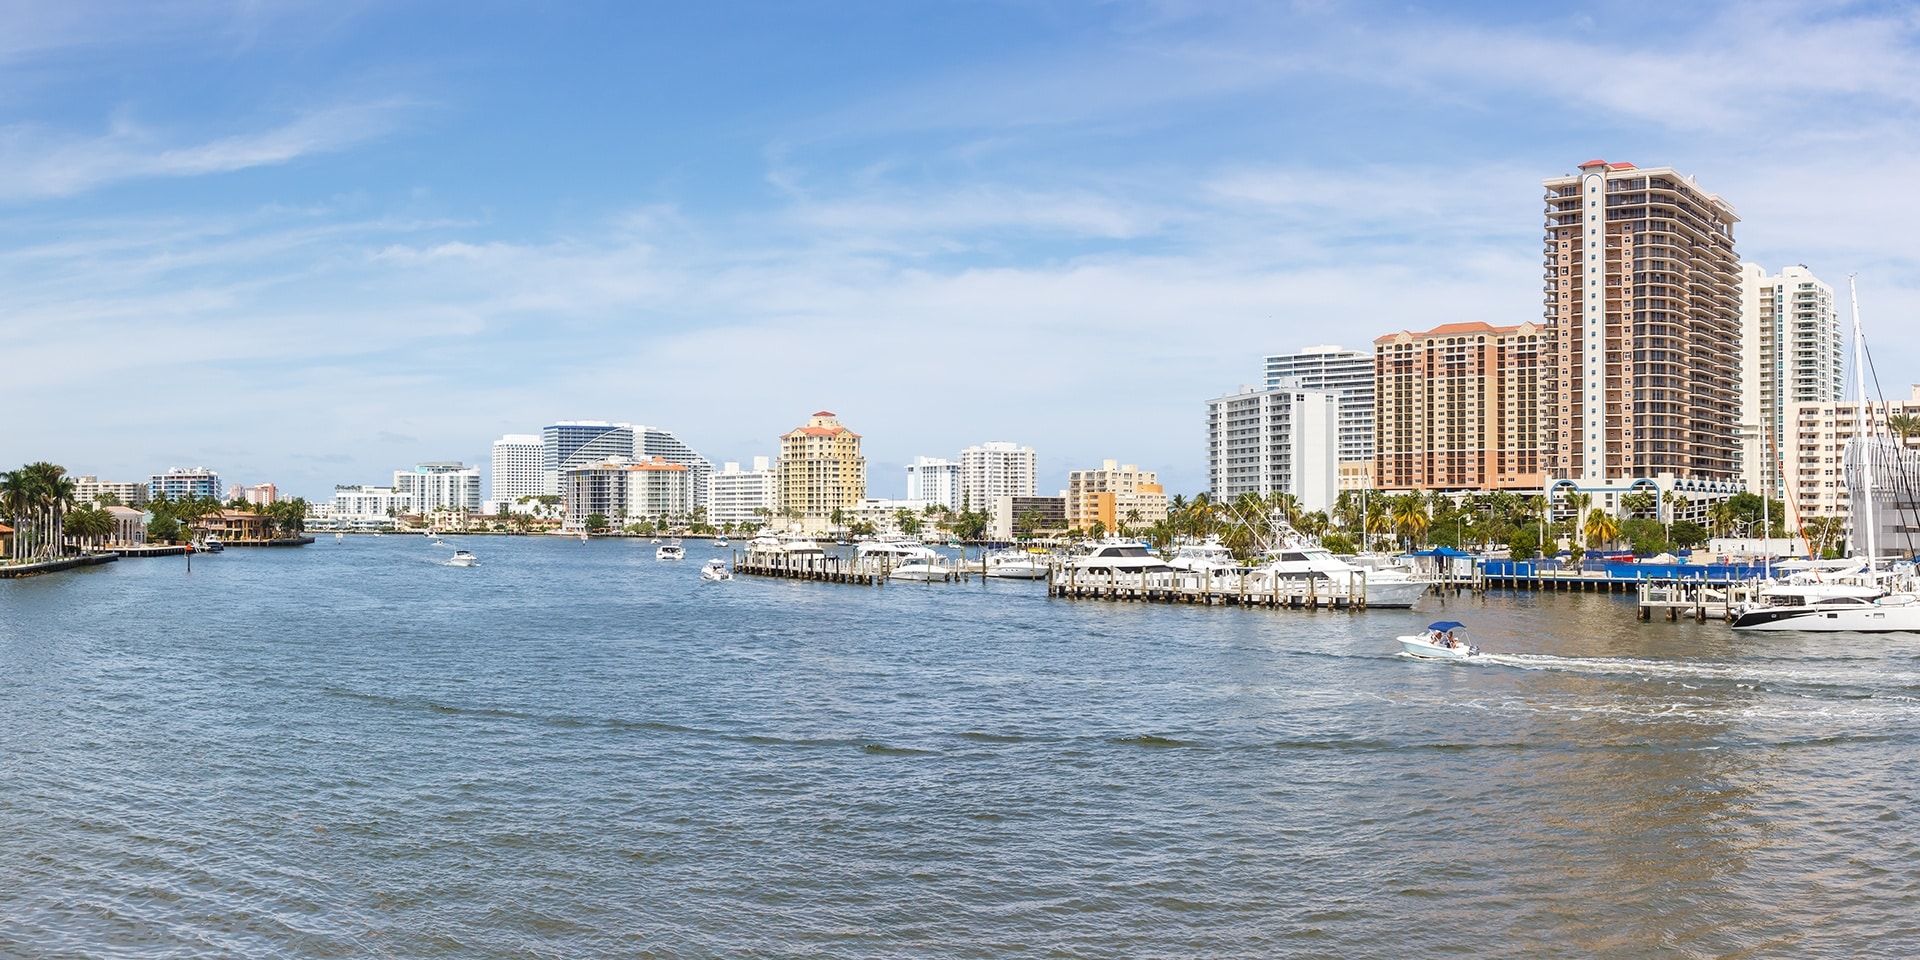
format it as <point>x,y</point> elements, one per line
<point>1446,625</point>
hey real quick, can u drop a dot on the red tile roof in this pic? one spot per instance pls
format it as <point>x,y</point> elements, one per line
<point>824,413</point>
<point>1449,329</point>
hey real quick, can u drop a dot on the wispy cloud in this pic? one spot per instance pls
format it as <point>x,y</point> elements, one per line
<point>35,162</point>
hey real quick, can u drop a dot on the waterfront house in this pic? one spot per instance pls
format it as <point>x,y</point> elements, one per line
<point>6,541</point>
<point>234,526</point>
<point>129,526</point>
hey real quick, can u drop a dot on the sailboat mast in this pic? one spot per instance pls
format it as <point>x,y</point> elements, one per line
<point>1863,511</point>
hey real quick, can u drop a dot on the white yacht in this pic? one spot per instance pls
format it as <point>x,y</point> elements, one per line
<point>463,558</point>
<point>1820,609</point>
<point>1017,565</point>
<point>1299,561</point>
<point>721,541</point>
<point>670,551</point>
<point>1209,557</point>
<point>716,571</point>
<point>1116,558</point>
<point>903,560</point>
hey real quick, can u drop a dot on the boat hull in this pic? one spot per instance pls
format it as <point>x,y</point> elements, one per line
<point>1901,618</point>
<point>1017,571</point>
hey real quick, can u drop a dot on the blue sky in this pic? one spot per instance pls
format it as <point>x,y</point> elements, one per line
<point>312,243</point>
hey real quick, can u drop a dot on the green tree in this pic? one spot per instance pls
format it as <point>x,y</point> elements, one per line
<point>1686,534</point>
<point>971,525</point>
<point>1524,542</point>
<point>596,522</point>
<point>1600,528</point>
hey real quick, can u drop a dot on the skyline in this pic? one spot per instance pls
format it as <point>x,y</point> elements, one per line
<point>307,246</point>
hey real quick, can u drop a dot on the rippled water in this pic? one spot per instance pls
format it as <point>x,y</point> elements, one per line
<point>572,750</point>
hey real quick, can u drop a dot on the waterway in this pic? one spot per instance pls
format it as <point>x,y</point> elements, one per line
<point>572,750</point>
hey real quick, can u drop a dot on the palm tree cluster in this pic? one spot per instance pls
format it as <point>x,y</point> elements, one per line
<point>37,498</point>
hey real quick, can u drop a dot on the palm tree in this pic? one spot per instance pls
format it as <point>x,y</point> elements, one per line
<point>1410,517</point>
<point>1601,528</point>
<point>17,500</point>
<point>1904,424</point>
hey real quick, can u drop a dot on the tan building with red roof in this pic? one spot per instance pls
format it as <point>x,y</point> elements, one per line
<point>1464,406</point>
<point>821,471</point>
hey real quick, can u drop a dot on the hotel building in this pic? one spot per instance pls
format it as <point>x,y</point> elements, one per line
<point>1279,440</point>
<point>1348,375</point>
<point>1114,494</point>
<point>1791,352</point>
<point>516,472</point>
<point>821,470</point>
<point>743,496</point>
<point>1463,406</point>
<point>1643,294</point>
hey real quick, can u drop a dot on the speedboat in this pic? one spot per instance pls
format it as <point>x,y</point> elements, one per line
<point>670,551</point>
<point>1445,640</point>
<point>715,571</point>
<point>720,541</point>
<point>462,558</point>
<point>1017,565</point>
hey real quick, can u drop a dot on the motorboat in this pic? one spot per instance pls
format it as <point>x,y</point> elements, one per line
<point>1017,565</point>
<point>212,544</point>
<point>584,536</point>
<point>716,571</point>
<point>720,541</point>
<point>463,558</point>
<point>1113,558</point>
<point>1444,640</point>
<point>656,539</point>
<point>892,553</point>
<point>670,551</point>
<point>924,570</point>
<point>1210,556</point>
<point>339,537</point>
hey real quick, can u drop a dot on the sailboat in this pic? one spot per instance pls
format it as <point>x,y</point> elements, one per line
<point>1871,608</point>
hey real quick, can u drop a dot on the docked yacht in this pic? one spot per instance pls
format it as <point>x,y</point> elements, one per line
<point>1117,559</point>
<point>1297,560</point>
<point>670,551</point>
<point>1831,608</point>
<point>716,571</point>
<point>1016,565</point>
<point>212,544</point>
<point>1209,557</point>
<point>903,560</point>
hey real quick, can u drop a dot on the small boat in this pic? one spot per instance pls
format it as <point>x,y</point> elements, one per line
<point>338,537</point>
<point>1442,640</point>
<point>716,571</point>
<point>720,541</point>
<point>463,558</point>
<point>583,536</point>
<point>212,544</point>
<point>670,551</point>
<point>656,539</point>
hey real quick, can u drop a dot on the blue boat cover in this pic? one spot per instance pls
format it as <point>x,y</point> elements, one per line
<point>1446,625</point>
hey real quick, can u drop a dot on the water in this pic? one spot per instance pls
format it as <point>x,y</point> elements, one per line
<point>574,751</point>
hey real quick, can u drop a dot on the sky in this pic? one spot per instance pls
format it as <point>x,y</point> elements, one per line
<point>312,243</point>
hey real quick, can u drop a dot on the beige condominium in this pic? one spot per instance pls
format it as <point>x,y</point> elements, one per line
<point>1462,407</point>
<point>821,470</point>
<point>1115,495</point>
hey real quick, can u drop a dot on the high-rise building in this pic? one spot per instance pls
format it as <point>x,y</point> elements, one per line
<point>1278,440</point>
<point>1461,407</point>
<point>1791,352</point>
<point>935,481</point>
<point>1643,294</point>
<point>655,443</point>
<point>91,489</point>
<point>821,470</point>
<point>1347,374</point>
<point>439,485</point>
<point>625,492</point>
<point>1115,494</point>
<point>516,472</point>
<point>179,482</point>
<point>743,496</point>
<point>572,443</point>
<point>996,469</point>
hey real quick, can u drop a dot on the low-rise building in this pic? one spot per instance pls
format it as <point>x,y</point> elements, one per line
<point>234,526</point>
<point>884,516</point>
<point>1011,513</point>
<point>1114,495</point>
<point>626,492</point>
<point>367,501</point>
<point>129,526</point>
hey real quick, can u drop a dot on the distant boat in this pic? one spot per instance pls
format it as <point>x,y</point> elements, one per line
<point>462,558</point>
<point>583,536</point>
<point>716,571</point>
<point>720,541</point>
<point>338,537</point>
<point>670,551</point>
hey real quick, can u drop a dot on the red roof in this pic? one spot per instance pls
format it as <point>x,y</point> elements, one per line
<point>1593,163</point>
<point>824,413</point>
<point>1621,166</point>
<point>1449,329</point>
<point>820,432</point>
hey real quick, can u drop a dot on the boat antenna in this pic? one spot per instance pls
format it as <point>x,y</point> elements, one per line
<point>1863,511</point>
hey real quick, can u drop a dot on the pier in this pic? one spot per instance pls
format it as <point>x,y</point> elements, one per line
<point>818,567</point>
<point>1234,591</point>
<point>11,570</point>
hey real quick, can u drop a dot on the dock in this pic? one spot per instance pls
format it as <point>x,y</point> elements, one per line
<point>11,570</point>
<point>823,568</point>
<point>1281,593</point>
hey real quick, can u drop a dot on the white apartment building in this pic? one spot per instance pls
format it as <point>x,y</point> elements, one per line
<point>1814,447</point>
<point>368,502</point>
<point>627,492</point>
<point>1791,352</point>
<point>1283,440</point>
<point>934,480</point>
<point>180,482</point>
<point>1348,375</point>
<point>440,485</point>
<point>572,443</point>
<point>996,469</point>
<point>516,472</point>
<point>885,515</point>
<point>739,496</point>
<point>90,489</point>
